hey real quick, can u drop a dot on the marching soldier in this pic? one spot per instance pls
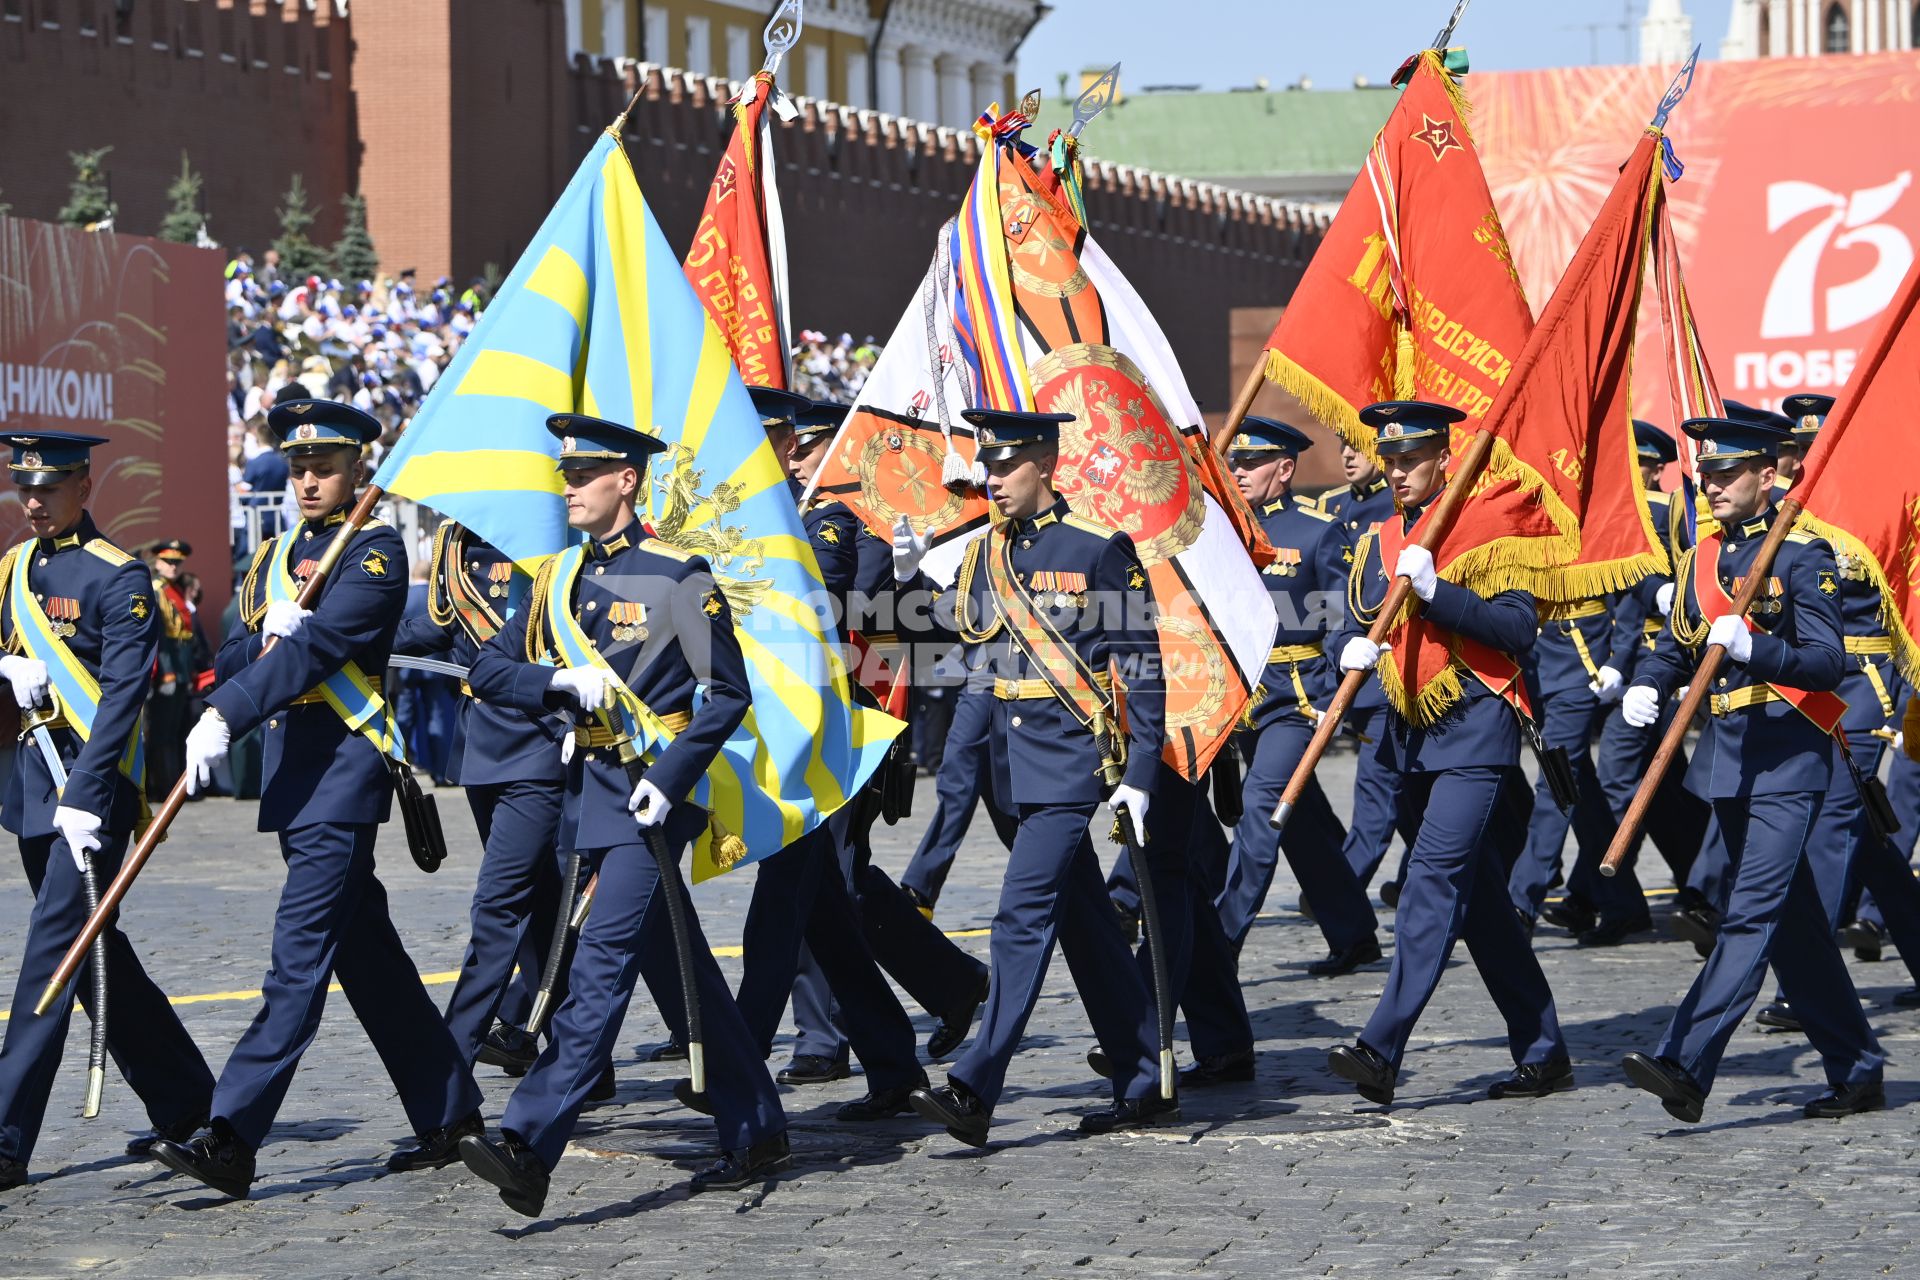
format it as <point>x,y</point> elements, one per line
<point>77,618</point>
<point>511,766</point>
<point>1056,602</point>
<point>1765,760</point>
<point>625,620</point>
<point>327,788</point>
<point>184,656</point>
<point>1677,822</point>
<point>1455,765</point>
<point>1360,506</point>
<point>1307,581</point>
<point>800,894</point>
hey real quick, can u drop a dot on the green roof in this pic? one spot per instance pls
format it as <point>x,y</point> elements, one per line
<point>1220,136</point>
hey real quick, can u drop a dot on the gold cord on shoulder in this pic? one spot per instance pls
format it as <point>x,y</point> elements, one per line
<point>444,561</point>
<point>963,597</point>
<point>1356,585</point>
<point>1683,629</point>
<point>253,604</point>
<point>537,646</point>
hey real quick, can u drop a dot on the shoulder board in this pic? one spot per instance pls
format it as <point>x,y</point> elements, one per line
<point>1659,498</point>
<point>666,549</point>
<point>1087,526</point>
<point>108,552</point>
<point>1801,535</point>
<point>1317,514</point>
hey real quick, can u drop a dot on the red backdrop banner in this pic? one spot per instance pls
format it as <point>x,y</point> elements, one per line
<point>122,337</point>
<point>1797,215</point>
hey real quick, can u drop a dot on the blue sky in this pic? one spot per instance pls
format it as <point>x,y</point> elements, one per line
<point>1224,44</point>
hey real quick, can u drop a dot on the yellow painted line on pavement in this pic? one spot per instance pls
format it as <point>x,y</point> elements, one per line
<point>438,979</point>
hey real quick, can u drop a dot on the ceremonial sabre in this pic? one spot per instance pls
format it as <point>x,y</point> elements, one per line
<point>1156,947</point>
<point>176,798</point>
<point>557,949</point>
<point>97,953</point>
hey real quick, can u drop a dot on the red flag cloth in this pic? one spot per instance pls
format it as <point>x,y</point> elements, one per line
<point>1413,294</point>
<point>728,263</point>
<point>1858,489</point>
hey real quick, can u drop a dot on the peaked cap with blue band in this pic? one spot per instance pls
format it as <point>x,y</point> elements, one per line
<point>586,442</point>
<point>821,418</point>
<point>1401,426</point>
<point>1268,435</point>
<point>1653,444</point>
<point>1002,433</point>
<point>48,457</point>
<point>300,425</point>
<point>1725,443</point>
<point>778,408</point>
<point>1808,411</point>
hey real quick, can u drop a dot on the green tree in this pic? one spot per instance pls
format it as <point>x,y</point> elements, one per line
<point>299,255</point>
<point>354,257</point>
<point>184,219</point>
<point>88,198</point>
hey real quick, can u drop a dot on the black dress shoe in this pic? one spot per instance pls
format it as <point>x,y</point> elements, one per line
<point>671,1051</point>
<point>811,1068</point>
<point>438,1149</point>
<point>1347,959</point>
<point>1611,933</point>
<point>1534,1080</point>
<point>1372,1075</point>
<point>509,1048</point>
<point>1132,1113</point>
<point>604,1088</point>
<point>957,1022</point>
<point>1571,914</point>
<point>683,1090</point>
<point>963,1116</point>
<point>1228,1068</point>
<point>1699,925</point>
<point>1778,1016</point>
<point>1847,1100</point>
<point>217,1158</point>
<point>881,1104</point>
<point>1390,893</point>
<point>13,1173</point>
<point>736,1169</point>
<point>510,1165</point>
<point>1865,937</point>
<point>1100,1064</point>
<point>141,1148</point>
<point>1908,999</point>
<point>1668,1081</point>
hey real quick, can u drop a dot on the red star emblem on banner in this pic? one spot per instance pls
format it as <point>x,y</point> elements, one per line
<point>1439,135</point>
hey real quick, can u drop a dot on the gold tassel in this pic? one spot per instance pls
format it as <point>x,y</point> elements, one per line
<point>727,848</point>
<point>1405,362</point>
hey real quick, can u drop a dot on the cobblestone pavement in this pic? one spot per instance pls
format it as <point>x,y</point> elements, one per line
<point>1291,1175</point>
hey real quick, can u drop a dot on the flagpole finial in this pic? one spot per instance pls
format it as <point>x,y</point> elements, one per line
<point>782,33</point>
<point>1446,32</point>
<point>1682,81</point>
<point>1097,97</point>
<point>620,121</point>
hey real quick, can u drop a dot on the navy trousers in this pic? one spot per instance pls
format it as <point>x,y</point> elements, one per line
<point>961,780</point>
<point>627,937</point>
<point>1053,890</point>
<point>1211,999</point>
<point>1846,857</point>
<point>800,895</point>
<point>1903,791</point>
<point>1773,915</point>
<point>332,922</point>
<point>1677,819</point>
<point>1568,719</point>
<point>153,1052</point>
<point>1377,810</point>
<point>517,895</point>
<point>1456,891</point>
<point>1312,842</point>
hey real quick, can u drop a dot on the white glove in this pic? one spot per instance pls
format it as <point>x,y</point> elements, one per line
<point>1899,741</point>
<point>1416,564</point>
<point>206,747</point>
<point>1663,599</point>
<point>82,832</point>
<point>567,742</point>
<point>1731,634</point>
<point>585,685</point>
<point>1606,683</point>
<point>28,676</point>
<point>1362,654</point>
<point>909,549</point>
<point>284,619</point>
<point>648,805</point>
<point>1135,802</point>
<point>1640,706</point>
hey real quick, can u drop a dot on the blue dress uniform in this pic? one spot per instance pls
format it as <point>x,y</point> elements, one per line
<point>1454,769</point>
<point>1766,767</point>
<point>800,894</point>
<point>511,769</point>
<point>92,599</point>
<point>1087,583</point>
<point>656,616</point>
<point>961,780</point>
<point>326,791</point>
<point>1307,583</point>
<point>1677,820</point>
<point>1376,788</point>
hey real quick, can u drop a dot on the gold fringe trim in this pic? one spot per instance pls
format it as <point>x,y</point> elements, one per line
<point>1328,406</point>
<point>1436,698</point>
<point>1906,652</point>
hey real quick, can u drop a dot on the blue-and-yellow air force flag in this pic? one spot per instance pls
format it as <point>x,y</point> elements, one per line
<point>598,318</point>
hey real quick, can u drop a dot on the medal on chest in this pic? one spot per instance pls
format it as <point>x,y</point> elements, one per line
<point>498,575</point>
<point>64,614</point>
<point>1286,562</point>
<point>1057,588</point>
<point>629,619</point>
